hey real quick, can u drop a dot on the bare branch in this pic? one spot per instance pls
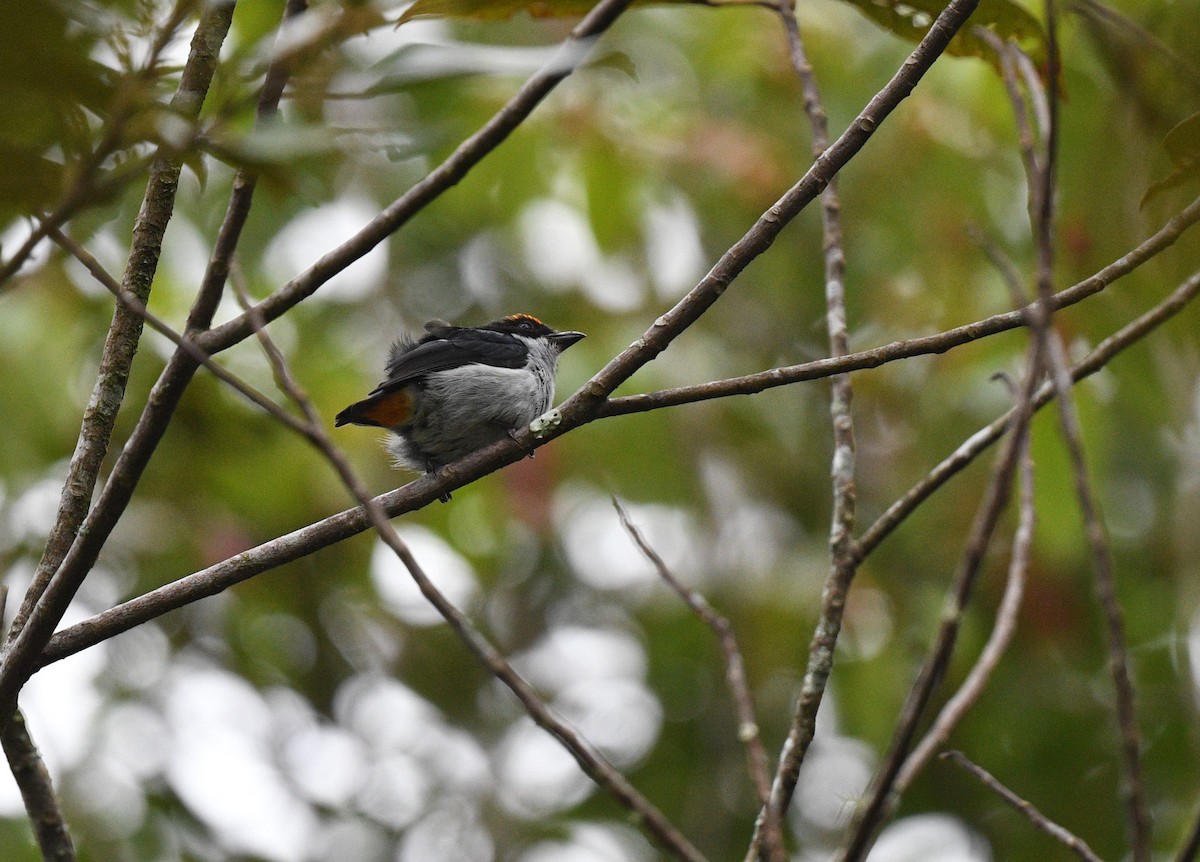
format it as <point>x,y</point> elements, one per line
<point>37,791</point>
<point>883,793</point>
<point>1041,821</point>
<point>978,442</point>
<point>590,760</point>
<point>566,60</point>
<point>735,668</point>
<point>939,343</point>
<point>955,709</point>
<point>20,651</point>
<point>420,492</point>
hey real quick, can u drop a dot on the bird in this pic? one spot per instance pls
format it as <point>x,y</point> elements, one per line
<point>457,389</point>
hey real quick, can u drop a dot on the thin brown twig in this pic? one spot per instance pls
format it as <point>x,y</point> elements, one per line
<point>1133,790</point>
<point>1041,821</point>
<point>590,760</point>
<point>941,342</point>
<point>182,342</point>
<point>328,531</point>
<point>735,668</point>
<point>1003,264</point>
<point>767,834</point>
<point>968,694</point>
<point>883,795</point>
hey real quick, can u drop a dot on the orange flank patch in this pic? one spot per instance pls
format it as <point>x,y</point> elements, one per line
<point>389,410</point>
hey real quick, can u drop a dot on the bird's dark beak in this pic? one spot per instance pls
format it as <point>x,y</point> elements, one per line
<point>563,340</point>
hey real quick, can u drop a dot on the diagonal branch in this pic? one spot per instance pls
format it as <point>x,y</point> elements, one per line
<point>590,760</point>
<point>941,342</point>
<point>585,403</point>
<point>566,60</point>
<point>48,595</point>
<point>735,667</point>
<point>420,492</point>
<point>1037,818</point>
<point>120,347</point>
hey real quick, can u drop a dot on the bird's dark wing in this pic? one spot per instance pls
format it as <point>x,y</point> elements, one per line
<point>457,348</point>
<point>390,404</point>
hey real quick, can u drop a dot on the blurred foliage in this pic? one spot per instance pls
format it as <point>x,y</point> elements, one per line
<point>312,713</point>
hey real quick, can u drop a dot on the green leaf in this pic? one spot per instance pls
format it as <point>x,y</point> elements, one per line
<point>1182,144</point>
<point>491,10</point>
<point>911,19</point>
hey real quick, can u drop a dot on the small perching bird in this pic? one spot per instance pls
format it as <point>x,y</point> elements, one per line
<point>460,388</point>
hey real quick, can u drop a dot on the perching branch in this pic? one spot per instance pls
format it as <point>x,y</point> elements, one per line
<point>591,761</point>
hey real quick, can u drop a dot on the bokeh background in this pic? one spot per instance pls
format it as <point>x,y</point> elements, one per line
<point>321,711</point>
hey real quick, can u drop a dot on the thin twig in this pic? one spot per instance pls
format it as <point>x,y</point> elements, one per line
<point>573,51</point>
<point>941,342</point>
<point>1041,821</point>
<point>244,182</point>
<point>328,531</point>
<point>882,796</point>
<point>735,667</point>
<point>968,694</point>
<point>1026,141</point>
<point>1003,264</point>
<point>843,561</point>
<point>182,342</point>
<point>590,760</point>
